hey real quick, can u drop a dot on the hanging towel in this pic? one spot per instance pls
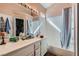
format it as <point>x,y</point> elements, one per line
<point>7,26</point>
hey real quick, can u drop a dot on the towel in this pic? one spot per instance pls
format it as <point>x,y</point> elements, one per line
<point>7,26</point>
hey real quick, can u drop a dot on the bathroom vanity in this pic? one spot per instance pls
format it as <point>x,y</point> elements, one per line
<point>29,47</point>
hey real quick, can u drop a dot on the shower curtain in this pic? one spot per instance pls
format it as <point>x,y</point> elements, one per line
<point>65,42</point>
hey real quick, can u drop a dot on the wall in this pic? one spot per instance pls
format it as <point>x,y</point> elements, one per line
<point>56,9</point>
<point>57,20</point>
<point>53,35</point>
<point>13,11</point>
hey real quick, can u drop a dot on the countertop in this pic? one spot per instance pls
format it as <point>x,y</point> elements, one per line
<point>12,46</point>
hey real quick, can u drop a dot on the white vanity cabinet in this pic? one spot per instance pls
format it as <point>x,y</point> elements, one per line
<point>30,47</point>
<point>31,50</point>
<point>25,51</point>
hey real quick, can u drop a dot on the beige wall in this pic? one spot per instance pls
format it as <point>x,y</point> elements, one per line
<point>13,11</point>
<point>56,9</point>
<point>12,8</point>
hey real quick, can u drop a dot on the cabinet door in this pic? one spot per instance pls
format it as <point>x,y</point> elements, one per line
<point>37,52</point>
<point>23,51</point>
<point>37,48</point>
<point>43,47</point>
<point>37,45</point>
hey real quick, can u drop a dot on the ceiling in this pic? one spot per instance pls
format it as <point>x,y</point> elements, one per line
<point>46,5</point>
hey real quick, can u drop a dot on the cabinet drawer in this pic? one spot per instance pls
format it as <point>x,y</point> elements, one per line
<point>37,45</point>
<point>23,51</point>
<point>37,52</point>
